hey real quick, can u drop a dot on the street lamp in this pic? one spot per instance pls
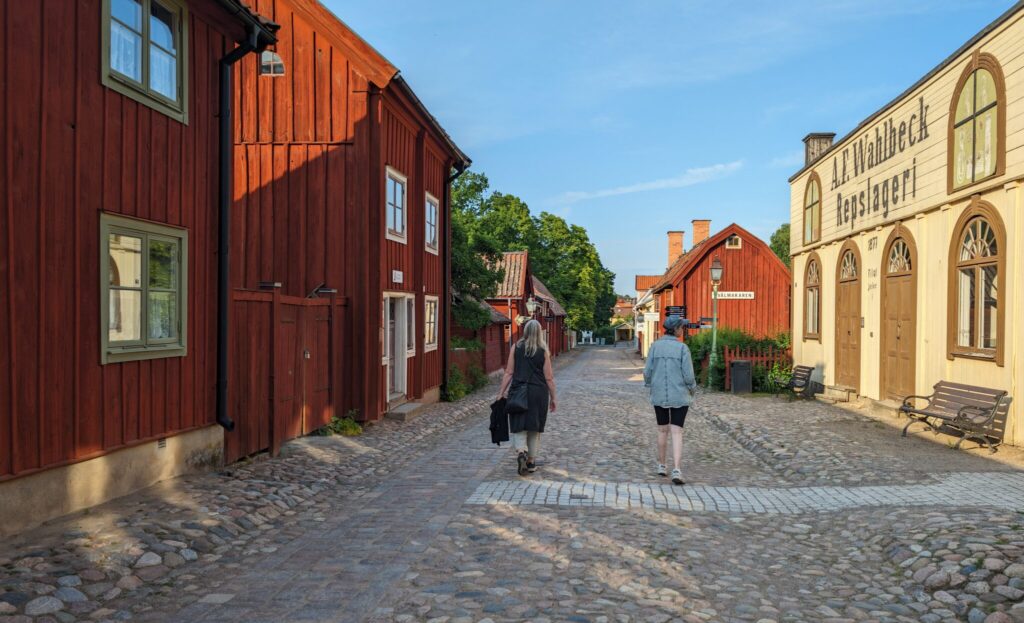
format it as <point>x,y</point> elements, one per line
<point>532,305</point>
<point>716,278</point>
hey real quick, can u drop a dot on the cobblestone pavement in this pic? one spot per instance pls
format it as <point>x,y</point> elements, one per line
<point>428,521</point>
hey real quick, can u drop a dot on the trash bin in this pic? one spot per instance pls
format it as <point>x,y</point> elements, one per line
<point>741,373</point>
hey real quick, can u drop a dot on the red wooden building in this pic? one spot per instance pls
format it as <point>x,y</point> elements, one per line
<point>519,290</point>
<point>340,234</point>
<point>754,295</point>
<point>112,177</point>
<point>495,348</point>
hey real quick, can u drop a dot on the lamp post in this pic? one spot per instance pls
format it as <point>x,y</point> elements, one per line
<point>531,306</point>
<point>716,278</point>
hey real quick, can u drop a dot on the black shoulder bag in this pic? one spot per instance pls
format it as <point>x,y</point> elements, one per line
<point>518,394</point>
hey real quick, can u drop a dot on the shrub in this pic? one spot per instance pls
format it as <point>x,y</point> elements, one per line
<point>457,386</point>
<point>467,344</point>
<point>700,347</point>
<point>345,426</point>
<point>477,377</point>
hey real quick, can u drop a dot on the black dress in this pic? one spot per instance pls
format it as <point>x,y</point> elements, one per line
<point>534,418</point>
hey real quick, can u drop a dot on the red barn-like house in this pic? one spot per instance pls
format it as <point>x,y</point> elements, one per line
<point>754,295</point>
<point>340,232</point>
<point>515,292</point>
<point>109,264</point>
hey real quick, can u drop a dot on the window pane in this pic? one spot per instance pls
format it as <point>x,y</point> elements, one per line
<point>985,144</point>
<point>161,27</point>
<point>965,105</point>
<point>163,315</point>
<point>966,313</point>
<point>125,261</point>
<point>815,221</point>
<point>962,161</point>
<point>125,51</point>
<point>390,217</point>
<point>811,319</point>
<point>163,264</point>
<point>986,93</point>
<point>990,307</point>
<point>163,73</point>
<point>125,316</point>
<point>128,11</point>
<point>808,226</point>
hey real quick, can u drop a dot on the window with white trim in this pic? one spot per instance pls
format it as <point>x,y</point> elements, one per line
<point>430,307</point>
<point>734,242</point>
<point>431,224</point>
<point>143,289</point>
<point>394,205</point>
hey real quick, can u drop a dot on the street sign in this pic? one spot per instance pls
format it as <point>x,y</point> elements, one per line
<point>676,310</point>
<point>745,296</point>
<point>652,317</point>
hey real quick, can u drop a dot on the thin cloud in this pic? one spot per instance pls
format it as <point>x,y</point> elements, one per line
<point>787,161</point>
<point>690,177</point>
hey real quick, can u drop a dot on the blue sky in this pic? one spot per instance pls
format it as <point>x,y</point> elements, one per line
<point>631,118</point>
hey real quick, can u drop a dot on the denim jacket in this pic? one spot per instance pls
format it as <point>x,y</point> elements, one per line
<point>669,373</point>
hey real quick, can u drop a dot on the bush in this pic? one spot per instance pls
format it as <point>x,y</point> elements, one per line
<point>477,377</point>
<point>606,332</point>
<point>467,344</point>
<point>700,347</point>
<point>344,426</point>
<point>457,386</point>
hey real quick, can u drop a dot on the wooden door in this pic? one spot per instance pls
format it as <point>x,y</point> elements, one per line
<point>288,368</point>
<point>316,373</point>
<point>899,319</point>
<point>848,319</point>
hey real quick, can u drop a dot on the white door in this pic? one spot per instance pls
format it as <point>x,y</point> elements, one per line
<point>397,345</point>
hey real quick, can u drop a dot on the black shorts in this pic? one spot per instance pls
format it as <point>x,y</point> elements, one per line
<point>671,415</point>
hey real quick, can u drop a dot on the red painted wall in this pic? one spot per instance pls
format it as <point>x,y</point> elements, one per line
<point>72,148</point>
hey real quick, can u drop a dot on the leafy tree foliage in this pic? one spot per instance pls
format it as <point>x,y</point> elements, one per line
<point>561,255</point>
<point>473,252</point>
<point>779,243</point>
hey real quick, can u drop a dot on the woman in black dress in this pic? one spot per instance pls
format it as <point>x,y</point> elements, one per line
<point>530,363</point>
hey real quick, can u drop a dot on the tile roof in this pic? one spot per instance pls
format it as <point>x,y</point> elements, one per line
<point>542,292</point>
<point>515,265</point>
<point>646,282</point>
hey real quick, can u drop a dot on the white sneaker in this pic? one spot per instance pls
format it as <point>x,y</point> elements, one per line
<point>662,469</point>
<point>677,477</point>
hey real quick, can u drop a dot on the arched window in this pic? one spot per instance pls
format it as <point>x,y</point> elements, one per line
<point>812,298</point>
<point>976,282</point>
<point>848,267</point>
<point>812,209</point>
<point>977,120</point>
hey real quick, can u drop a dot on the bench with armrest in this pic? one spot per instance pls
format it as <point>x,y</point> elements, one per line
<point>799,381</point>
<point>968,409</point>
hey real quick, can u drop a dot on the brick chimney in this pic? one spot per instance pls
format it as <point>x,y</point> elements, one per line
<point>675,245</point>
<point>815,144</point>
<point>701,230</point>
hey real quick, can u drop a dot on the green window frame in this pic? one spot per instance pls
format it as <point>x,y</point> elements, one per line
<point>143,290</point>
<point>144,39</point>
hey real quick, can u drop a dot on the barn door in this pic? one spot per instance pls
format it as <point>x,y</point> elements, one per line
<point>899,314</point>
<point>848,319</point>
<point>316,375</point>
<point>288,368</point>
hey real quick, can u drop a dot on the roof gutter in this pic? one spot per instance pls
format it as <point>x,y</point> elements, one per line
<point>259,37</point>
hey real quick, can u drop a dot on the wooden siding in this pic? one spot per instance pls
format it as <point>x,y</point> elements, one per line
<point>751,268</point>
<point>71,149</point>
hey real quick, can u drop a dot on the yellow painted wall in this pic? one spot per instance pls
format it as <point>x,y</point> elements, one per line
<point>930,217</point>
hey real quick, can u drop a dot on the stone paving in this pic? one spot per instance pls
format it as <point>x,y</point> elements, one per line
<point>792,511</point>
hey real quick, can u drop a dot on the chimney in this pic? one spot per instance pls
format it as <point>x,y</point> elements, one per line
<point>675,245</point>
<point>701,230</point>
<point>815,144</point>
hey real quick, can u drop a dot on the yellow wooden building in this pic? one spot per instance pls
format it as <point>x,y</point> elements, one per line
<point>904,233</point>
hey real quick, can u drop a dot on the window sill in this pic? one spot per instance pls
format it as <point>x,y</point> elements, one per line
<point>430,348</point>
<point>812,338</point>
<point>132,91</point>
<point>142,354</point>
<point>961,354</point>
<point>396,237</point>
<point>432,250</point>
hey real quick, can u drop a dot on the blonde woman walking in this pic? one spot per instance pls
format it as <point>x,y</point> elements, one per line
<point>528,372</point>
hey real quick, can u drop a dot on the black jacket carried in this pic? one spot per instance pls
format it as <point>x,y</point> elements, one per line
<point>499,422</point>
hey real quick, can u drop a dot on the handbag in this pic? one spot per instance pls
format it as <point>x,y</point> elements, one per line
<point>519,394</point>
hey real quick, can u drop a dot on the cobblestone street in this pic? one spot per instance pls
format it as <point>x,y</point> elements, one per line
<point>792,511</point>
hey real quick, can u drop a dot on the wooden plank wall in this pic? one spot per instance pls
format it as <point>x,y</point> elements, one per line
<point>753,268</point>
<point>71,149</point>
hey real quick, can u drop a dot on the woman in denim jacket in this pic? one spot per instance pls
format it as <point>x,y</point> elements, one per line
<point>669,375</point>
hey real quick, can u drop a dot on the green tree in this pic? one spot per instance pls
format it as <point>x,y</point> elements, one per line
<point>779,243</point>
<point>473,252</point>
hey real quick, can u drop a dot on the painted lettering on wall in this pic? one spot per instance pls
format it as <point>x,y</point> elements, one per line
<point>888,140</point>
<point>872,243</point>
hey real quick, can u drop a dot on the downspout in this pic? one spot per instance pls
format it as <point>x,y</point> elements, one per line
<point>447,281</point>
<point>225,128</point>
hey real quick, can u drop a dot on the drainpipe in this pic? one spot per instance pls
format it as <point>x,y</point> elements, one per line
<point>446,312</point>
<point>251,44</point>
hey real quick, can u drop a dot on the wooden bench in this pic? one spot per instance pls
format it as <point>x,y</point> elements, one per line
<point>799,381</point>
<point>967,409</point>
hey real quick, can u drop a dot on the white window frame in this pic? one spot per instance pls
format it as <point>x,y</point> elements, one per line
<point>739,242</point>
<point>429,345</point>
<point>145,347</point>
<point>396,235</point>
<point>432,202</point>
<point>410,321</point>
